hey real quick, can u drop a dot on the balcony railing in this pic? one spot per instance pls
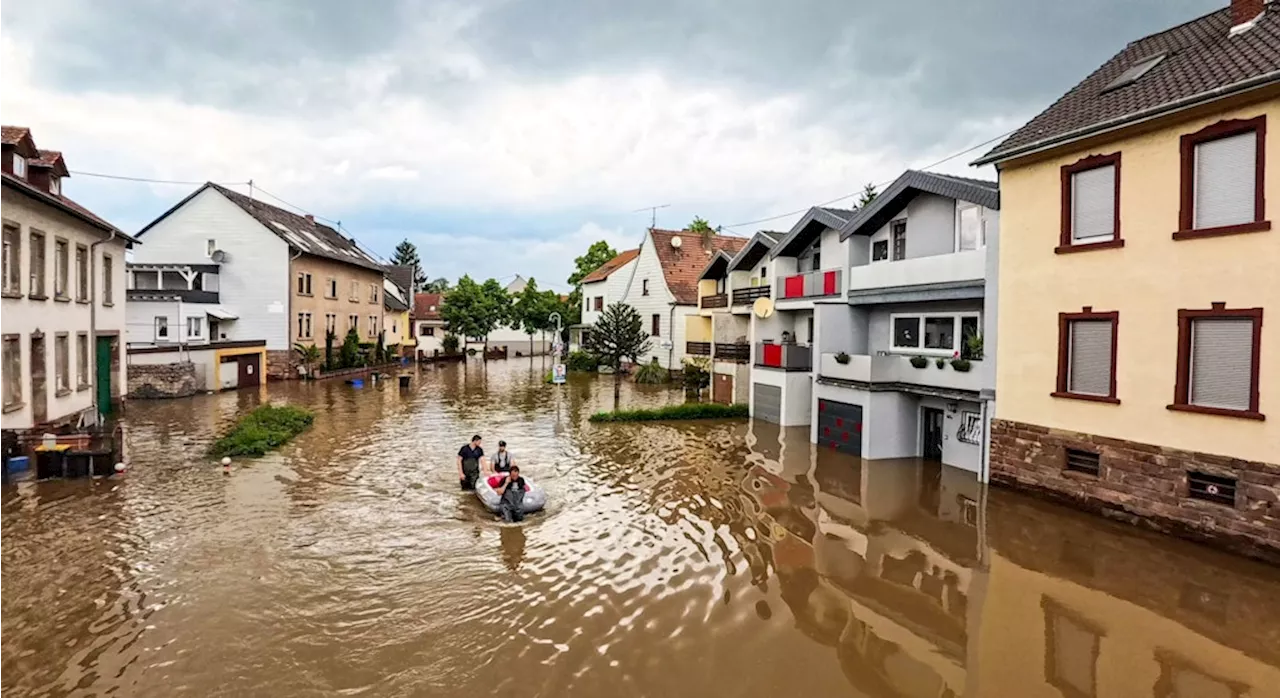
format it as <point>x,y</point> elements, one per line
<point>813,284</point>
<point>718,300</point>
<point>740,353</point>
<point>698,348</point>
<point>894,368</point>
<point>936,269</point>
<point>788,357</point>
<point>187,296</point>
<point>746,296</point>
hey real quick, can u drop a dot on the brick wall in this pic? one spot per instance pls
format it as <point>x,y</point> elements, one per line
<point>150,381</point>
<point>1144,484</point>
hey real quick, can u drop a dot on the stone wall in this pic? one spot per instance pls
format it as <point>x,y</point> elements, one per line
<point>1144,484</point>
<point>150,381</point>
<point>282,365</point>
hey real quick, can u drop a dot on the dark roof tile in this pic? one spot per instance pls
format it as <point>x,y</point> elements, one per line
<point>681,266</point>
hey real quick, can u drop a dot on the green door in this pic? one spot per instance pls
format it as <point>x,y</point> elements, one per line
<point>103,369</point>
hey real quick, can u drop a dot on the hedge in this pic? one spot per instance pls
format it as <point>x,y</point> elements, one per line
<point>264,429</point>
<point>689,410</point>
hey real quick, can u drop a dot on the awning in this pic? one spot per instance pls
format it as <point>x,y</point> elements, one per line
<point>220,312</point>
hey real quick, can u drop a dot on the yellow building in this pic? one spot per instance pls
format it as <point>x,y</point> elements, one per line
<point>1137,262</point>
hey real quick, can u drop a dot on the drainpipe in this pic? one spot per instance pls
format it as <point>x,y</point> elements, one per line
<point>93,320</point>
<point>671,330</point>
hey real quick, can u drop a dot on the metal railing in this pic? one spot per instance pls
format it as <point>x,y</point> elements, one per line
<point>788,357</point>
<point>718,300</point>
<point>743,296</point>
<point>183,294</point>
<point>813,284</point>
<point>698,348</point>
<point>739,352</point>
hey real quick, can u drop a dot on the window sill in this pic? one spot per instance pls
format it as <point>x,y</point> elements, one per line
<point>37,297</point>
<point>62,392</point>
<point>1218,411</point>
<point>331,298</point>
<point>1254,227</point>
<point>62,299</point>
<point>13,407</point>
<point>305,295</point>
<point>108,304</point>
<point>11,294</point>
<point>82,301</point>
<point>82,387</point>
<point>1089,398</point>
<point>1089,246</point>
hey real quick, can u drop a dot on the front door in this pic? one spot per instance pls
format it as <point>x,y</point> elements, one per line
<point>249,369</point>
<point>102,370</point>
<point>931,439</point>
<point>722,389</point>
<point>39,392</point>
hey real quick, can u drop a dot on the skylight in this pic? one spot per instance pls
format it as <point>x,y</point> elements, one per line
<point>1135,72</point>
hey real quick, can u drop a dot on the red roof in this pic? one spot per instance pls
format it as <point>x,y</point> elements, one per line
<point>10,135</point>
<point>611,266</point>
<point>426,306</point>
<point>681,266</point>
<point>53,160</point>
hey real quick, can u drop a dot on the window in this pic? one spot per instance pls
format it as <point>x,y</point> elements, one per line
<point>82,273</point>
<point>1071,651</point>
<point>970,227</point>
<point>210,246</point>
<point>879,250</point>
<point>373,325</point>
<point>1219,361</point>
<point>1222,179</point>
<point>61,268</point>
<point>353,323</point>
<point>108,274</point>
<point>931,334</point>
<point>1091,204</point>
<point>815,255</point>
<point>19,166</point>
<point>12,371</point>
<point>906,332</point>
<point>428,331</point>
<point>82,360</point>
<point>1087,355</point>
<point>37,266</point>
<point>355,291</point>
<point>330,323</point>
<point>62,363</point>
<point>599,303</point>
<point>195,327</point>
<point>332,288</point>
<point>1134,72</point>
<point>162,328</point>
<point>373,293</point>
<point>55,186</point>
<point>304,326</point>
<point>940,333</point>
<point>304,283</point>
<point>899,237</point>
<point>12,260</point>
<point>655,328</point>
<point>968,331</point>
<point>644,287</point>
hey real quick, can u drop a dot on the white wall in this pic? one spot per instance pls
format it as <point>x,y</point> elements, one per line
<point>612,289</point>
<point>254,282</point>
<point>954,451</point>
<point>658,302</point>
<point>428,345</point>
<point>892,426</point>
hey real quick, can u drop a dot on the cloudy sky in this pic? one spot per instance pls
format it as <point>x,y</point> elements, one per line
<point>504,136</point>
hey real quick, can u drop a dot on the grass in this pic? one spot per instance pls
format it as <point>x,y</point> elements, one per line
<point>689,410</point>
<point>262,430</point>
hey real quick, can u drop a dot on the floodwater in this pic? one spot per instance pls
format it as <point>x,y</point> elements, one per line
<point>709,559</point>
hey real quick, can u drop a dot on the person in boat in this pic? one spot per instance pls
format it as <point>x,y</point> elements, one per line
<point>502,461</point>
<point>469,458</point>
<point>512,492</point>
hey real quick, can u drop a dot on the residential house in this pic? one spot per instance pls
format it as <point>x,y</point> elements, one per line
<point>663,287</point>
<point>900,369</point>
<point>721,330</point>
<point>605,285</point>
<point>284,277</point>
<point>1140,201</point>
<point>402,330</point>
<point>807,268</point>
<point>63,295</point>
<point>429,326</point>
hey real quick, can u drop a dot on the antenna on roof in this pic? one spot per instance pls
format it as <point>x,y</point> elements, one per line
<point>251,189</point>
<point>653,212</point>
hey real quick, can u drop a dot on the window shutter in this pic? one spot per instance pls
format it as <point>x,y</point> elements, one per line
<point>1221,363</point>
<point>1090,367</point>
<point>1093,204</point>
<point>1225,181</point>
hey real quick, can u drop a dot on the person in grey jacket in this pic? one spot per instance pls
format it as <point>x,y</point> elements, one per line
<point>512,493</point>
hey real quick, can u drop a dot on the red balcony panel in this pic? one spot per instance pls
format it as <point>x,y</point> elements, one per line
<point>829,283</point>
<point>773,355</point>
<point>793,286</point>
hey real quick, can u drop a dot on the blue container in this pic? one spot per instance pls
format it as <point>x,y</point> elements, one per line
<point>357,382</point>
<point>17,464</point>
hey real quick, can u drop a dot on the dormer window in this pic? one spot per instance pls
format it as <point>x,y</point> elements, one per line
<point>19,166</point>
<point>55,186</point>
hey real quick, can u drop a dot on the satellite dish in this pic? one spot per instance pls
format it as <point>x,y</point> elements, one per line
<point>218,257</point>
<point>676,242</point>
<point>763,308</point>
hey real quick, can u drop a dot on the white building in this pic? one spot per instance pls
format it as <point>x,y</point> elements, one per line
<point>605,285</point>
<point>428,326</point>
<point>63,295</point>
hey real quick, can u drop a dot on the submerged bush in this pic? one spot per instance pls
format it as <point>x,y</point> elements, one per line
<point>652,374</point>
<point>582,361</point>
<point>262,430</point>
<point>689,410</point>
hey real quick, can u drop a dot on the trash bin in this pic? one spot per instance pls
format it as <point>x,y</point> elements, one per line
<point>404,381</point>
<point>51,462</point>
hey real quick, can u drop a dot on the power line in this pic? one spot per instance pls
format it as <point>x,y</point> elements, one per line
<point>147,179</point>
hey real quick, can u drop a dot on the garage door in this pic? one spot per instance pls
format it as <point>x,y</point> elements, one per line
<point>722,389</point>
<point>766,403</point>
<point>840,426</point>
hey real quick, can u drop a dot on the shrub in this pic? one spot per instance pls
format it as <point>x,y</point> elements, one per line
<point>842,358</point>
<point>697,374</point>
<point>651,373</point>
<point>582,361</point>
<point>349,355</point>
<point>449,344</point>
<point>940,362</point>
<point>919,361</point>
<point>973,345</point>
<point>961,365</point>
<point>262,430</point>
<point>689,410</point>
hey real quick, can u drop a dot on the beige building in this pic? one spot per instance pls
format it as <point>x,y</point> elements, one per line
<point>63,295</point>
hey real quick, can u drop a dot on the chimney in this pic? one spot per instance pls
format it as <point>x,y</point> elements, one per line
<point>1245,11</point>
<point>311,219</point>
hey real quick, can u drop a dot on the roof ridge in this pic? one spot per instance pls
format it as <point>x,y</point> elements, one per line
<point>1175,27</point>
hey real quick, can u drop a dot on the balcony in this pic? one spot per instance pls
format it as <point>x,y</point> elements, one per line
<point>718,300</point>
<point>788,357</point>
<point>747,296</point>
<point>813,284</point>
<point>183,294</point>
<point>737,353</point>
<point>895,368</point>
<point>937,269</point>
<point>698,348</point>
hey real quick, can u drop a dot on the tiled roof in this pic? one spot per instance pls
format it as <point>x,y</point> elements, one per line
<point>10,135</point>
<point>63,203</point>
<point>682,266</point>
<point>426,306</point>
<point>842,213</point>
<point>1200,57</point>
<point>610,266</point>
<point>301,232</point>
<point>395,305</point>
<point>402,276</point>
<point>755,249</point>
<point>53,160</point>
<point>896,196</point>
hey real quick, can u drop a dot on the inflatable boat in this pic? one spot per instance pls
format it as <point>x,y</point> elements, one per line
<point>535,498</point>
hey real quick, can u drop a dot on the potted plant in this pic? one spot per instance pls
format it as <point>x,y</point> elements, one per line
<point>973,346</point>
<point>940,362</point>
<point>842,358</point>
<point>919,361</point>
<point>961,365</point>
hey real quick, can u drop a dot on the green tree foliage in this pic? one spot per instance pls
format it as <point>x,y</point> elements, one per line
<point>449,344</point>
<point>703,229</point>
<point>697,374</point>
<point>440,285</point>
<point>349,355</point>
<point>868,195</point>
<point>406,254</point>
<point>531,310</point>
<point>262,430</point>
<point>475,310</point>
<point>599,253</point>
<point>329,339</point>
<point>652,374</point>
<point>308,355</point>
<point>689,410</point>
<point>618,335</point>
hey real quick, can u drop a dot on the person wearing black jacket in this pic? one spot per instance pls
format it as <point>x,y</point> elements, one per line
<point>469,457</point>
<point>512,492</point>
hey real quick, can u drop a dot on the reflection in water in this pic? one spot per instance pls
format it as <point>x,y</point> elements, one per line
<point>673,559</point>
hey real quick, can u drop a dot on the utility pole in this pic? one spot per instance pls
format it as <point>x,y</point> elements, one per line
<point>653,214</point>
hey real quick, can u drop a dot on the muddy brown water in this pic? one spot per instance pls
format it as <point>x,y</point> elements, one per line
<point>708,559</point>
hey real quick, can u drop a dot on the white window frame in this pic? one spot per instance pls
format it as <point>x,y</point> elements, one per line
<point>160,328</point>
<point>199,327</point>
<point>19,166</point>
<point>962,206</point>
<point>13,374</point>
<point>919,349</point>
<point>210,246</point>
<point>55,186</point>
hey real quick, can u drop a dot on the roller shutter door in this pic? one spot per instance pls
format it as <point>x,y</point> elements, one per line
<point>766,403</point>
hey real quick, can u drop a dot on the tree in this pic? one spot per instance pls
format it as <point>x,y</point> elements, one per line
<point>497,307</point>
<point>599,253</point>
<point>349,355</point>
<point>618,334</point>
<point>703,229</point>
<point>329,338</point>
<point>868,195</point>
<point>406,254</point>
<point>475,310</point>
<point>531,310</point>
<point>440,285</point>
<point>308,354</point>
